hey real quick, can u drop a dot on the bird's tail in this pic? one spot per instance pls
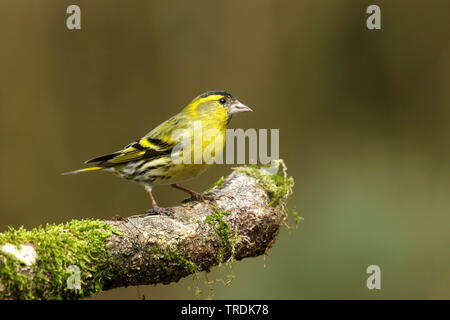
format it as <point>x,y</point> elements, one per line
<point>83,170</point>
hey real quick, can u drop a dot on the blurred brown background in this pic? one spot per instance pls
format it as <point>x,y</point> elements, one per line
<point>363,118</point>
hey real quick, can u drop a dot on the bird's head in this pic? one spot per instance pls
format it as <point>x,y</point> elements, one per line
<point>213,102</point>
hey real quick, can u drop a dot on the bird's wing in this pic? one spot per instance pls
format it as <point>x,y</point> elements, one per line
<point>158,142</point>
<point>145,148</point>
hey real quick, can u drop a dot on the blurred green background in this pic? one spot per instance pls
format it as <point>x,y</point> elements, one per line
<point>364,119</point>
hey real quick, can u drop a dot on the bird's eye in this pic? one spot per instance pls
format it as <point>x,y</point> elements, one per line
<point>222,100</point>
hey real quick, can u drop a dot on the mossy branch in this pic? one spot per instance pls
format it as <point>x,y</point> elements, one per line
<point>82,257</point>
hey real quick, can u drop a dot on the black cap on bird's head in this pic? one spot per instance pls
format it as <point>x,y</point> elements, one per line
<point>227,100</point>
<point>216,93</point>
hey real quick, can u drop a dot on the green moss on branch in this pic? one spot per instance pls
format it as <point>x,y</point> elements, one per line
<point>278,186</point>
<point>170,257</point>
<point>222,230</point>
<point>57,249</point>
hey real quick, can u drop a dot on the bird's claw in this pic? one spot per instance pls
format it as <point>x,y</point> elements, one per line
<point>159,211</point>
<point>204,196</point>
<point>200,197</point>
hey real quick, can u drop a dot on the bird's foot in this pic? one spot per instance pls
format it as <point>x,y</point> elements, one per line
<point>194,195</point>
<point>206,196</point>
<point>200,197</point>
<point>156,210</point>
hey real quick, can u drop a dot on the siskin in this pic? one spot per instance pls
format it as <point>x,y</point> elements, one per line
<point>155,158</point>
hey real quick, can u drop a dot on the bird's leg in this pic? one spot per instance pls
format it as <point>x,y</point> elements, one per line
<point>156,209</point>
<point>195,195</point>
<point>149,191</point>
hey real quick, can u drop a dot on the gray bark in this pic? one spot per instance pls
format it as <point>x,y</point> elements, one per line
<point>142,252</point>
<point>237,221</point>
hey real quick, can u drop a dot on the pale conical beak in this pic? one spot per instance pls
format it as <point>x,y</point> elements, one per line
<point>237,107</point>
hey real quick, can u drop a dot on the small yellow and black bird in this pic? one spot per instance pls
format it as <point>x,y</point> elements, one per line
<point>149,161</point>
